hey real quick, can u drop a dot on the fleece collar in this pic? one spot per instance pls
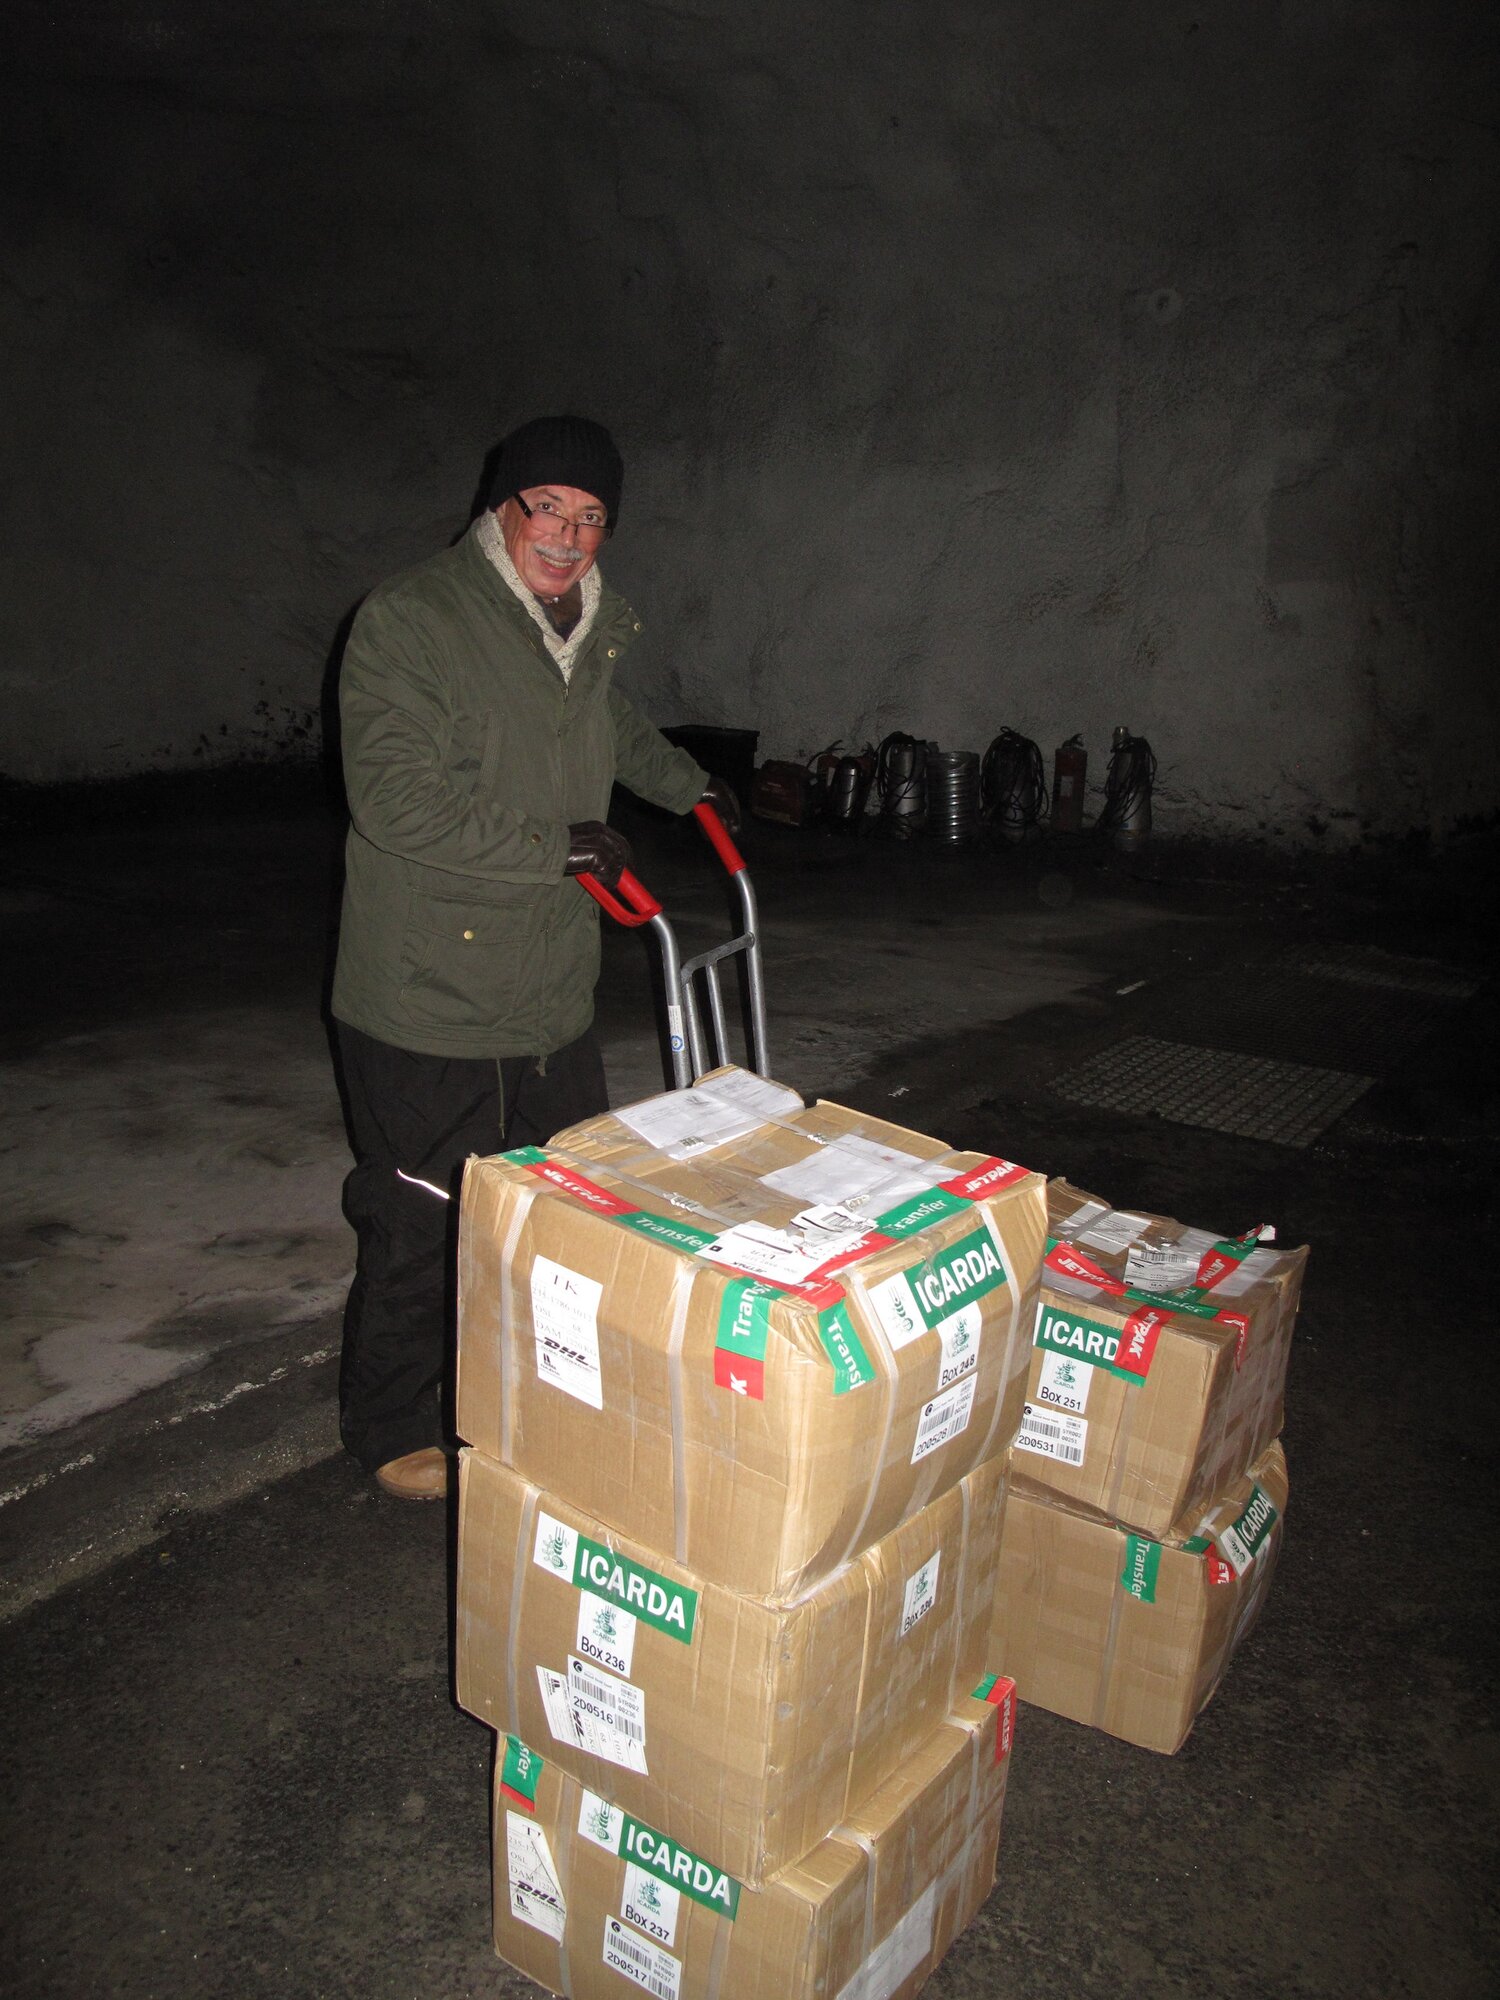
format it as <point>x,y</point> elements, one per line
<point>564,651</point>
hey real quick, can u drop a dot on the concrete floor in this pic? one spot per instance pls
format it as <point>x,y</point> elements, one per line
<point>229,1757</point>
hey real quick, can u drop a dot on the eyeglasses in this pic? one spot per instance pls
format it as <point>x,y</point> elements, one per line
<point>593,525</point>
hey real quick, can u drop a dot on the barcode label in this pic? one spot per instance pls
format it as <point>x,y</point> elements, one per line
<point>602,1718</point>
<point>1051,1434</point>
<point>647,1964</point>
<point>584,1686</point>
<point>944,1417</point>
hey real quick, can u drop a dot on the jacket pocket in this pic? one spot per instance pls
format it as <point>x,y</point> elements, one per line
<point>471,959</point>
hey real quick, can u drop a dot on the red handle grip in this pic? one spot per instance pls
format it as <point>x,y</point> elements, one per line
<point>643,905</point>
<point>718,834</point>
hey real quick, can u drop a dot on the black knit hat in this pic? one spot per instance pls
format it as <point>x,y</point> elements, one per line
<point>560,451</point>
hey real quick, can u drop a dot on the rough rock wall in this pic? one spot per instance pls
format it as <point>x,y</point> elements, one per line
<point>974,365</point>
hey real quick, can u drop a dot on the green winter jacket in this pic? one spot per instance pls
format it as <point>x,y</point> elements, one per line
<point>466,757</point>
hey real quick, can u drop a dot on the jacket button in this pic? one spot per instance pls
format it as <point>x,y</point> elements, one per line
<point>536,840</point>
<point>611,653</point>
<point>637,624</point>
<point>469,935</point>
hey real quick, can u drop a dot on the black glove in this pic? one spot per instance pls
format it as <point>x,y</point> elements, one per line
<point>721,797</point>
<point>596,849</point>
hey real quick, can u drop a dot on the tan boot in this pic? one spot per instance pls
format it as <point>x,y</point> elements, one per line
<point>420,1475</point>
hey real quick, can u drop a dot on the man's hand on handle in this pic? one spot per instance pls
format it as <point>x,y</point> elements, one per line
<point>720,796</point>
<point>596,849</point>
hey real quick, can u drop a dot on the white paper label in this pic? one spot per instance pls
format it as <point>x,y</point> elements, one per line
<point>604,1718</point>
<point>944,1417</point>
<point>894,1304</point>
<point>606,1632</point>
<point>898,1954</point>
<point>778,1254</point>
<point>858,1174</point>
<point>1164,1267</point>
<point>1115,1230</point>
<point>565,1321</point>
<point>920,1594</point>
<point>1196,1241</point>
<point>1065,1380</point>
<point>684,1123</point>
<point>959,1334</point>
<point>1052,1434</point>
<point>535,1896</point>
<point>647,1964</point>
<point>650,1904</point>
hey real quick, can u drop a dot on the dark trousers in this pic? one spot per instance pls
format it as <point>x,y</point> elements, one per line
<point>415,1119</point>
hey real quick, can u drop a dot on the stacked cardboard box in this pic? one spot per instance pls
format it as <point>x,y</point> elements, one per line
<point>737,1378</point>
<point>1148,1490</point>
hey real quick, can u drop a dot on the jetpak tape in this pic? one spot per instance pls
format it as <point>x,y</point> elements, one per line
<point>934,1281</point>
<point>1140,1332</point>
<point>744,1317</point>
<point>1000,1692</point>
<point>1231,1550</point>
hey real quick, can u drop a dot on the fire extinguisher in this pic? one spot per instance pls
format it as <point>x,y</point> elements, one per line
<point>821,769</point>
<point>1069,770</point>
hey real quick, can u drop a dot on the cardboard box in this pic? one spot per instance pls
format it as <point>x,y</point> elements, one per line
<point>587,1898</point>
<point>1144,1401</point>
<point>759,1397</point>
<point>743,1729</point>
<point>1128,1634</point>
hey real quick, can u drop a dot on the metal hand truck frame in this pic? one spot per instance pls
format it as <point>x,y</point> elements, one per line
<point>690,1046</point>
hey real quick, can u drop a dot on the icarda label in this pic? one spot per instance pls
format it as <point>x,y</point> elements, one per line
<point>1240,1544</point>
<point>921,1593</point>
<point>606,1633</point>
<point>932,1294</point>
<point>1063,1380</point>
<point>668,1861</point>
<point>1125,1351</point>
<point>650,1905</point>
<point>654,1599</point>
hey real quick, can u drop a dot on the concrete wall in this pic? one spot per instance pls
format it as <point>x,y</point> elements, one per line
<point>977,364</point>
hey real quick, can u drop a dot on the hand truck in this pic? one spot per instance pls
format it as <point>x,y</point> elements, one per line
<point>685,1034</point>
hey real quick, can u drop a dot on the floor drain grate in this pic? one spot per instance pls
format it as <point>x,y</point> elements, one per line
<point>1253,1097</point>
<point>1388,971</point>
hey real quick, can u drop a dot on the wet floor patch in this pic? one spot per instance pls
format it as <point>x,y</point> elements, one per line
<point>1252,1097</point>
<point>1277,1050</point>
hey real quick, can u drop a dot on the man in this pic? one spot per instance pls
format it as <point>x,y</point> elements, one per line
<point>481,735</point>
